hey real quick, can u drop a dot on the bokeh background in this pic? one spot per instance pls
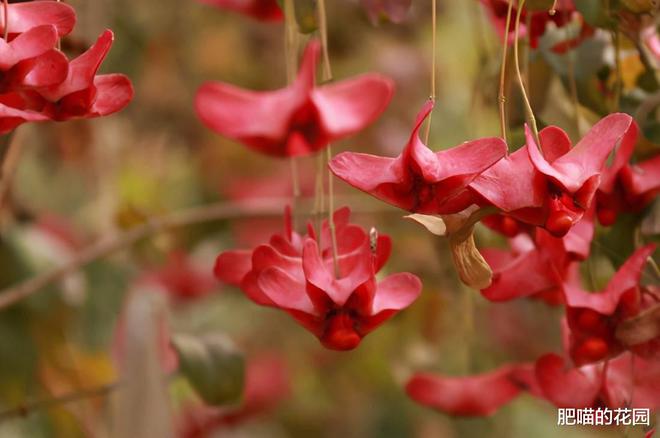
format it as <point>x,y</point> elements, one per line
<point>83,180</point>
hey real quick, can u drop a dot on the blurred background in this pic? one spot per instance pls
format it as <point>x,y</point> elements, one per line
<point>84,180</point>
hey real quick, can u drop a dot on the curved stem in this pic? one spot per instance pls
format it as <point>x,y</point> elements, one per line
<point>523,91</point>
<point>291,54</point>
<point>502,94</point>
<point>434,32</point>
<point>327,73</point>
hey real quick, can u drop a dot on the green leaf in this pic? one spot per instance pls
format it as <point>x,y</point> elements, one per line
<point>212,366</point>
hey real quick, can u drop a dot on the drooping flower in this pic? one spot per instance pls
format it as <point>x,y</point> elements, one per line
<point>564,13</point>
<point>263,10</point>
<point>339,304</point>
<point>420,180</point>
<point>555,187</point>
<point>594,317</point>
<point>299,119</point>
<point>476,395</point>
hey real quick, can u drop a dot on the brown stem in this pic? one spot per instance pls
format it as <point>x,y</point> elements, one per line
<point>433,67</point>
<point>5,8</point>
<point>502,94</point>
<point>9,158</point>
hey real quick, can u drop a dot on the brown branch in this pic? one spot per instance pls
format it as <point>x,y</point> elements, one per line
<point>112,243</point>
<point>25,409</point>
<point>10,152</point>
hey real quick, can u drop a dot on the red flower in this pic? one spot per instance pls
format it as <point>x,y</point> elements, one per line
<point>83,93</point>
<point>299,119</point>
<point>181,278</point>
<point>565,9</point>
<point>538,267</point>
<point>420,180</point>
<point>263,10</point>
<point>593,317</point>
<point>25,16</point>
<point>477,395</point>
<point>295,273</point>
<point>553,189</point>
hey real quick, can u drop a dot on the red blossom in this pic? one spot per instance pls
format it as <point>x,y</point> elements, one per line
<point>420,180</point>
<point>555,187</point>
<point>299,119</point>
<point>263,10</point>
<point>181,278</point>
<point>477,395</point>
<point>25,16</point>
<point>593,317</point>
<point>296,273</point>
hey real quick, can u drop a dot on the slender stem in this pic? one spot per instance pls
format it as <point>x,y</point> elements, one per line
<point>502,94</point>
<point>327,73</point>
<point>618,84</point>
<point>523,91</point>
<point>291,54</point>
<point>526,53</point>
<point>434,33</point>
<point>9,159</point>
<point>5,8</point>
<point>574,91</point>
<point>25,409</point>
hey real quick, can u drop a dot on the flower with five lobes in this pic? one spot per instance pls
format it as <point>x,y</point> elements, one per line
<point>420,180</point>
<point>299,119</point>
<point>339,304</point>
<point>554,187</point>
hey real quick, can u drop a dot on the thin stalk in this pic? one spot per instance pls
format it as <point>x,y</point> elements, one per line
<point>434,32</point>
<point>291,54</point>
<point>502,94</point>
<point>574,91</point>
<point>9,159</point>
<point>618,84</point>
<point>327,76</point>
<point>523,91</point>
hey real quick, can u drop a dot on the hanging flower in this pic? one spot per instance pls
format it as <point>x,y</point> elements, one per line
<point>263,10</point>
<point>553,188</point>
<point>340,304</point>
<point>25,16</point>
<point>420,180</point>
<point>594,317</point>
<point>299,119</point>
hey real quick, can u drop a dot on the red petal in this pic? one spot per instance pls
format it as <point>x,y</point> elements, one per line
<point>477,395</point>
<point>82,69</point>
<point>572,387</point>
<point>285,291</point>
<point>46,70</point>
<point>347,107</point>
<point>626,278</point>
<point>396,292</point>
<point>587,158</point>
<point>25,16</point>
<point>642,178</point>
<point>113,93</point>
<point>231,266</point>
<point>34,42</point>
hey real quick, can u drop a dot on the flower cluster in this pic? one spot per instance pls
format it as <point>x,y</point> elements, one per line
<point>39,82</point>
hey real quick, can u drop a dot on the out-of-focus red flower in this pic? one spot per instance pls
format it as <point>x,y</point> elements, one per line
<point>394,10</point>
<point>420,180</point>
<point>564,13</point>
<point>181,278</point>
<point>296,273</point>
<point>555,187</point>
<point>267,383</point>
<point>477,395</point>
<point>299,119</point>
<point>25,16</point>
<point>593,317</point>
<point>263,10</point>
